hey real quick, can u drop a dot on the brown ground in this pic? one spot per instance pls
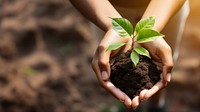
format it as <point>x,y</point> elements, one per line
<point>45,52</point>
<point>133,79</point>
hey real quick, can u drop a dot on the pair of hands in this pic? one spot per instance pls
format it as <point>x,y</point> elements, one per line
<point>160,52</point>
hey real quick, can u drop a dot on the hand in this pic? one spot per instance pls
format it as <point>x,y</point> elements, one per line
<point>160,52</point>
<point>162,56</point>
<point>101,66</point>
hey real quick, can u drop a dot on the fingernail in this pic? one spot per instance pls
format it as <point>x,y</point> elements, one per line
<point>168,77</point>
<point>104,75</point>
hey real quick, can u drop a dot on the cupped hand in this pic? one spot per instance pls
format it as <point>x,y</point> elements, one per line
<point>161,54</point>
<point>101,64</point>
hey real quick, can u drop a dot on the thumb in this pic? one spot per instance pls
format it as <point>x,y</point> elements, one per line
<point>104,57</point>
<point>167,64</point>
<point>167,73</point>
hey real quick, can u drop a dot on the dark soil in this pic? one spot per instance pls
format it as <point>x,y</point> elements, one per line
<point>130,79</point>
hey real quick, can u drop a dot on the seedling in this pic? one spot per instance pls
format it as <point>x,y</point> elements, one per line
<point>143,33</point>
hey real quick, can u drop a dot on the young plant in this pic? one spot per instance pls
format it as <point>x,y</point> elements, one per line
<point>143,33</point>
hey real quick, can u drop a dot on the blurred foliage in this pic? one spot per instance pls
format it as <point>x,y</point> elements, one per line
<point>66,48</point>
<point>103,107</point>
<point>116,107</point>
<point>29,71</point>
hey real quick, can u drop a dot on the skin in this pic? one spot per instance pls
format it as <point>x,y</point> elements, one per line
<point>160,51</point>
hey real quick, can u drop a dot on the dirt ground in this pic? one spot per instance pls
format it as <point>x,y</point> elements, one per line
<point>46,48</point>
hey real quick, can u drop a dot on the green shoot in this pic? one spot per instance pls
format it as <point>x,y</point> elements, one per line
<point>144,33</point>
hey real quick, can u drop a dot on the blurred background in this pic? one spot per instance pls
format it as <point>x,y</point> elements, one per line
<point>46,48</point>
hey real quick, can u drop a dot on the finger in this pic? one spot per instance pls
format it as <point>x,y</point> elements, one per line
<point>167,65</point>
<point>158,86</point>
<point>158,64</point>
<point>103,55</point>
<point>127,101</point>
<point>135,102</point>
<point>124,48</point>
<point>142,94</point>
<point>103,61</point>
<point>166,73</point>
<point>128,46</point>
<point>96,69</point>
<point>110,87</point>
<point>117,93</point>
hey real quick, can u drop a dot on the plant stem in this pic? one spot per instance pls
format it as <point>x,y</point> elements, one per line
<point>133,40</point>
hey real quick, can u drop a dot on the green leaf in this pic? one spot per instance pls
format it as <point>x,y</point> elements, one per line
<point>145,23</point>
<point>122,26</point>
<point>142,51</point>
<point>146,35</point>
<point>115,46</point>
<point>134,58</point>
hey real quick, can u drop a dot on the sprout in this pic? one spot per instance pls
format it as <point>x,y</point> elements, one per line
<point>143,33</point>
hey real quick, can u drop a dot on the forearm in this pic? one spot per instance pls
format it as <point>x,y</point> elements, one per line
<point>162,10</point>
<point>97,11</point>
